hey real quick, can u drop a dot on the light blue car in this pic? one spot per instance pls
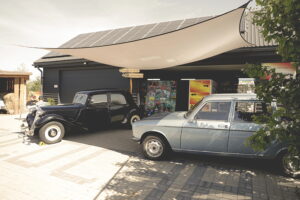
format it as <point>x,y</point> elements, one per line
<point>217,125</point>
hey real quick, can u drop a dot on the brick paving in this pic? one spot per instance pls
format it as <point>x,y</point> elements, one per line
<point>149,180</point>
<point>97,166</point>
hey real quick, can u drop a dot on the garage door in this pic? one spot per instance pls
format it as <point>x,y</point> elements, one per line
<point>72,81</point>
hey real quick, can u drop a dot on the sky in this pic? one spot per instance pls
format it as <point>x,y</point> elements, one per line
<point>50,23</point>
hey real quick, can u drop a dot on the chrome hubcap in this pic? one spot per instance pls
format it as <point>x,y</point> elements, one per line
<point>53,132</point>
<point>154,148</point>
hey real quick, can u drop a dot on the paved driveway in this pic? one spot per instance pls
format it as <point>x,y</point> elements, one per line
<point>108,165</point>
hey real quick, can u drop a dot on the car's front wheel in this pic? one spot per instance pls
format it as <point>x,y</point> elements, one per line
<point>290,165</point>
<point>52,132</point>
<point>154,147</point>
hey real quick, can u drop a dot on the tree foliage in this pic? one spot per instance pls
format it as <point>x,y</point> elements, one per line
<point>281,124</point>
<point>280,22</point>
<point>34,85</point>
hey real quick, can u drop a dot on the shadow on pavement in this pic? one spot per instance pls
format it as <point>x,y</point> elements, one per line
<point>117,138</point>
<point>267,166</point>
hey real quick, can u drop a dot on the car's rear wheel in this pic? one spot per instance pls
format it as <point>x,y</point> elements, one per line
<point>52,132</point>
<point>154,147</point>
<point>290,164</point>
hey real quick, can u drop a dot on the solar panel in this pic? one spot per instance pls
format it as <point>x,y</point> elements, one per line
<point>99,37</point>
<point>157,30</point>
<point>85,41</point>
<point>113,37</point>
<point>93,38</point>
<point>139,35</point>
<point>71,42</point>
<point>104,37</point>
<point>128,34</point>
<point>131,34</point>
<point>172,26</point>
<point>82,39</point>
<point>189,22</point>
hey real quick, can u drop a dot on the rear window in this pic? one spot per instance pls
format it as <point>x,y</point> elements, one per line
<point>246,110</point>
<point>117,99</point>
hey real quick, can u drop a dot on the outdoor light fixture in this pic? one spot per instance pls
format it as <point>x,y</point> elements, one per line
<point>187,79</point>
<point>153,79</point>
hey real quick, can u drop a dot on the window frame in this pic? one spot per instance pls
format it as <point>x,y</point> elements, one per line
<point>215,101</point>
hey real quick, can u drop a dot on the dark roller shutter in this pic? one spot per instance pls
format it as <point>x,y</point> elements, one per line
<point>72,81</point>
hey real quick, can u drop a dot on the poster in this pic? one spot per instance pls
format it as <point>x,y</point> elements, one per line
<point>161,96</point>
<point>198,90</point>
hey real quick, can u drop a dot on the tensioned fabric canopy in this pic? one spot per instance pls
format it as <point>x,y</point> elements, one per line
<point>180,45</point>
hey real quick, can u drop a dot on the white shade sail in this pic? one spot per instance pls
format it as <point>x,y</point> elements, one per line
<point>193,43</point>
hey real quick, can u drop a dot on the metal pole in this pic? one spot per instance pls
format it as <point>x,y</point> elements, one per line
<point>130,85</point>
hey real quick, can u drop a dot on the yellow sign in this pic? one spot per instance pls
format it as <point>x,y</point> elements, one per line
<point>127,70</point>
<point>198,90</point>
<point>133,75</point>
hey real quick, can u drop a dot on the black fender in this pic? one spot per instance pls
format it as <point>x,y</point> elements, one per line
<point>52,117</point>
<point>133,111</point>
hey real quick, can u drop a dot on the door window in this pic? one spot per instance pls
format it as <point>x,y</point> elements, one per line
<point>214,111</point>
<point>246,110</point>
<point>99,99</point>
<point>118,99</point>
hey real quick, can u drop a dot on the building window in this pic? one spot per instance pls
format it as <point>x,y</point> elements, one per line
<point>6,85</point>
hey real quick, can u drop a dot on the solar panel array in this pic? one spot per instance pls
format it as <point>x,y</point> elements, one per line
<point>128,34</point>
<point>116,36</point>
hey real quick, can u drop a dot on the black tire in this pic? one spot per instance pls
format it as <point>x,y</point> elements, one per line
<point>52,132</point>
<point>155,148</point>
<point>287,166</point>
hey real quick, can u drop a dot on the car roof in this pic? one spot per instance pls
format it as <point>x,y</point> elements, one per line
<point>105,90</point>
<point>231,96</point>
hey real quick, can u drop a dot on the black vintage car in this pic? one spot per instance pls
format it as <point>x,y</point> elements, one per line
<point>90,109</point>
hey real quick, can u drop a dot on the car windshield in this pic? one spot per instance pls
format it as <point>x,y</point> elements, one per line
<point>192,109</point>
<point>80,98</point>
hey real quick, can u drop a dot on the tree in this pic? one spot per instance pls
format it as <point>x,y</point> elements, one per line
<point>35,85</point>
<point>280,21</point>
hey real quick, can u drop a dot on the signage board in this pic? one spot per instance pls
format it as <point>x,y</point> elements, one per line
<point>133,75</point>
<point>128,70</point>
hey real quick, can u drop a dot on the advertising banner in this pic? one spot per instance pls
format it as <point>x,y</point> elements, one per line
<point>198,90</point>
